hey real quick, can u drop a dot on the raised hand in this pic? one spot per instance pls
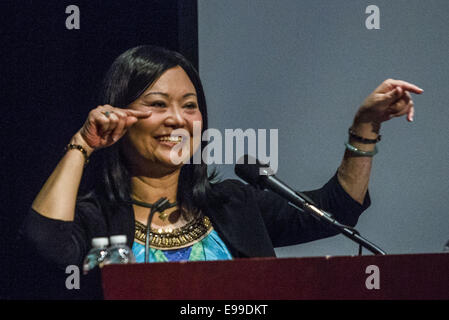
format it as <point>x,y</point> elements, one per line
<point>391,99</point>
<point>106,124</point>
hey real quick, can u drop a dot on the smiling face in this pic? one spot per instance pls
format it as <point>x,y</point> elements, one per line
<point>174,105</point>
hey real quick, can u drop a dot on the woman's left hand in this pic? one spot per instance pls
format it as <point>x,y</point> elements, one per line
<point>391,99</point>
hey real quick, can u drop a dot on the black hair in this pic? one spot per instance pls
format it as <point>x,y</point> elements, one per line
<point>128,77</point>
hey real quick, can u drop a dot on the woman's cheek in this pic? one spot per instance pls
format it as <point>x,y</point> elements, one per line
<point>195,121</point>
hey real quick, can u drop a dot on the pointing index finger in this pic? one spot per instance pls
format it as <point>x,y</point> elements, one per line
<point>138,113</point>
<point>407,86</point>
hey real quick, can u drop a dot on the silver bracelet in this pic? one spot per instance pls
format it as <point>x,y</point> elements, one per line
<point>359,152</point>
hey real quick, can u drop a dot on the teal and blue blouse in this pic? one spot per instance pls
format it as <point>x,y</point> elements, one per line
<point>209,248</point>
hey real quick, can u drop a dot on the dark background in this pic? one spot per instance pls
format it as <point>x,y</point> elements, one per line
<point>50,77</point>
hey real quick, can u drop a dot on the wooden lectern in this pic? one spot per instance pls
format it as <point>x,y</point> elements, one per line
<point>413,276</point>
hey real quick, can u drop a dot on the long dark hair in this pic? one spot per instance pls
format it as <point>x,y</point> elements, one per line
<point>128,77</point>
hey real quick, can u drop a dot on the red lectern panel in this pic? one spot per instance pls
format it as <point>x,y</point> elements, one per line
<point>416,276</point>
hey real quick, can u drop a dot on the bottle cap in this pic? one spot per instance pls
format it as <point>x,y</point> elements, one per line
<point>118,239</point>
<point>100,242</point>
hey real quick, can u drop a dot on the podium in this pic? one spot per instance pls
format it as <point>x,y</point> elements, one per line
<point>412,276</point>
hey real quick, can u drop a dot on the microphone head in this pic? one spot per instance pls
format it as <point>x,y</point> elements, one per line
<point>251,170</point>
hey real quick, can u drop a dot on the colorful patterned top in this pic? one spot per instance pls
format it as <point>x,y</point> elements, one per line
<point>209,248</point>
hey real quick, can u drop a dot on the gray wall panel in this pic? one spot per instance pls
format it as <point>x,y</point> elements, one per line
<point>304,67</point>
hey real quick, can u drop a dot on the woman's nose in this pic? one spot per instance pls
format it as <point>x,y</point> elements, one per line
<point>175,117</point>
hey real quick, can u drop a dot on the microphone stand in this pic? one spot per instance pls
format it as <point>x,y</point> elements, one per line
<point>299,200</point>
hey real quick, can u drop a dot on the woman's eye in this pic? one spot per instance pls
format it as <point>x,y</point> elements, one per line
<point>190,106</point>
<point>158,104</point>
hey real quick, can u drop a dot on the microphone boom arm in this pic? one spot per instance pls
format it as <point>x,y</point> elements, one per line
<point>297,199</point>
<point>349,232</point>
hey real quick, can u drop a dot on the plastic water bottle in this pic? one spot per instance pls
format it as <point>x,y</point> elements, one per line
<point>119,252</point>
<point>96,255</point>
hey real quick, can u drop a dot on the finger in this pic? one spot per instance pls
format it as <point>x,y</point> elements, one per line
<point>107,110</point>
<point>131,120</point>
<point>99,120</point>
<point>139,114</point>
<point>105,138</point>
<point>407,96</point>
<point>393,95</point>
<point>113,122</point>
<point>108,107</point>
<point>103,124</point>
<point>404,107</point>
<point>400,105</point>
<point>118,131</point>
<point>129,112</point>
<point>128,116</point>
<point>118,112</point>
<point>104,112</point>
<point>410,110</point>
<point>405,86</point>
<point>411,114</point>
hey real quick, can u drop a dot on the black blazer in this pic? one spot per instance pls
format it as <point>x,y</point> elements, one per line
<point>252,223</point>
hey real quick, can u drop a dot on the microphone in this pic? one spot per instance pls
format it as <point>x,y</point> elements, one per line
<point>255,173</point>
<point>258,174</point>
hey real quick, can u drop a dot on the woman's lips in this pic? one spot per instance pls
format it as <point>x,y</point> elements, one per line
<point>174,139</point>
<point>169,141</point>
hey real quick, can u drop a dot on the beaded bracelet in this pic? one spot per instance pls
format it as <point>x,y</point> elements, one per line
<point>71,146</point>
<point>363,140</point>
<point>359,152</point>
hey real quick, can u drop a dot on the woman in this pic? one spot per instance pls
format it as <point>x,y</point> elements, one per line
<point>149,94</point>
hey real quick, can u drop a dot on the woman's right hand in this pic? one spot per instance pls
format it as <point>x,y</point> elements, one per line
<point>106,124</point>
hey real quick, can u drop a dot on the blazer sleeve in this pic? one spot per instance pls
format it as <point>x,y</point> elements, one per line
<point>288,225</point>
<point>59,242</point>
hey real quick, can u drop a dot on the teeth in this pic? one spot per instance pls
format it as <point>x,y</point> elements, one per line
<point>170,139</point>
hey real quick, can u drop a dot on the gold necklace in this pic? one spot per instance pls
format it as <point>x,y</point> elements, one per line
<point>170,239</point>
